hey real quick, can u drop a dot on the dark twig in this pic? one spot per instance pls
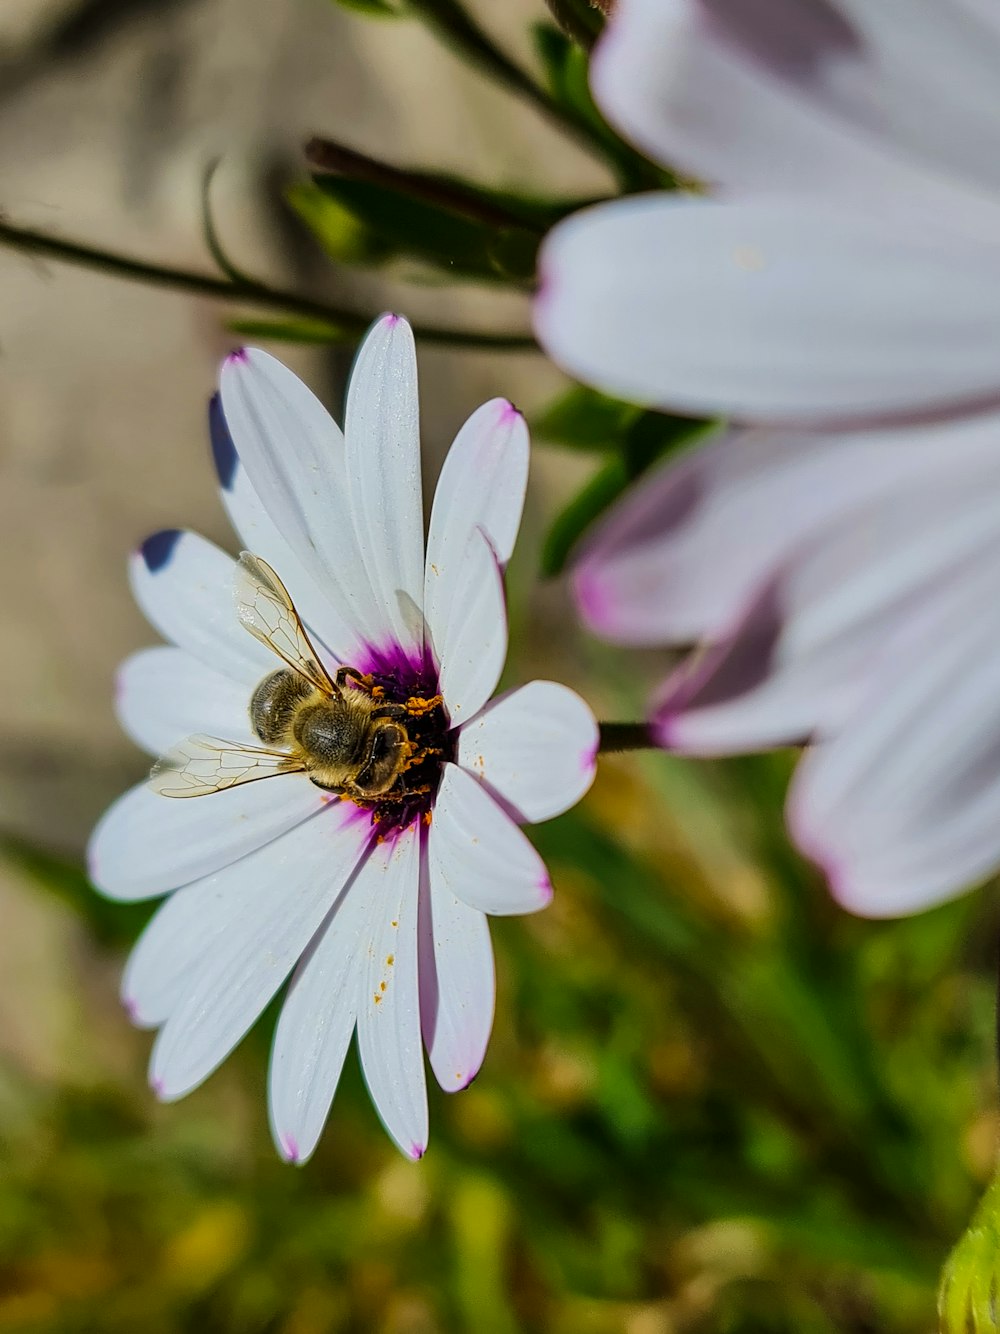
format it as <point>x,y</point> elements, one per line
<point>247,292</point>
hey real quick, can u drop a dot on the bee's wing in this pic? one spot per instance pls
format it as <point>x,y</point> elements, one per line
<point>203,764</point>
<point>264,607</point>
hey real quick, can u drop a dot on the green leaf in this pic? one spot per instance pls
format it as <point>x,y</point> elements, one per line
<point>294,330</point>
<point>582,418</point>
<point>378,9</point>
<point>359,222</point>
<point>567,75</point>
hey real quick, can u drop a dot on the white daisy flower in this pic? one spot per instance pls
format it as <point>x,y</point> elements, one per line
<point>385,827</point>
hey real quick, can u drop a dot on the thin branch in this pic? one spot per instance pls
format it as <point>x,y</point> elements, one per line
<point>250,292</point>
<point>327,155</point>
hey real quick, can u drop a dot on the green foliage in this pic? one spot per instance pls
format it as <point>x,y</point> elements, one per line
<point>712,1101</point>
<point>566,68</point>
<point>379,9</point>
<point>359,222</point>
<point>294,330</point>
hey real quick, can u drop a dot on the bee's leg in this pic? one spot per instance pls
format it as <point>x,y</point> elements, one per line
<point>345,674</point>
<point>390,711</point>
<point>339,789</point>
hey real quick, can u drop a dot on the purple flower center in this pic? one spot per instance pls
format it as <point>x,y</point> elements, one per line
<point>412,684</point>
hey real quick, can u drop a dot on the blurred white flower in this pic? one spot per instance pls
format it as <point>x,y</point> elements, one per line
<point>849,265</point>
<point>845,590</point>
<point>378,903</point>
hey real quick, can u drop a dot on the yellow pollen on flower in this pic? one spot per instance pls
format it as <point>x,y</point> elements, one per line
<point>378,999</point>
<point>390,959</point>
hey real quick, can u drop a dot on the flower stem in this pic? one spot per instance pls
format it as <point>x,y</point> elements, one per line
<point>245,290</point>
<point>617,737</point>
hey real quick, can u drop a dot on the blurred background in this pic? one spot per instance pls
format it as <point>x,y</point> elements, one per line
<point>713,1102</point>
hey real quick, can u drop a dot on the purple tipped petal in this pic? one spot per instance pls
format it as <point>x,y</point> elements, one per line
<point>188,596</point>
<point>224,452</point>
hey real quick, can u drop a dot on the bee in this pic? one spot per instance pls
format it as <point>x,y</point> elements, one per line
<point>335,729</point>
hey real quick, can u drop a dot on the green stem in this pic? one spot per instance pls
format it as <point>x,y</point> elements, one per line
<point>247,291</point>
<point>617,737</point>
<point>327,155</point>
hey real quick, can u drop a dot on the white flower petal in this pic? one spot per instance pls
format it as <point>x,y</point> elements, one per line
<point>258,533</point>
<point>482,485</point>
<point>803,651</point>
<point>145,844</point>
<point>699,84</point>
<point>184,587</point>
<point>477,852</point>
<point>535,748</point>
<point>900,806</point>
<point>804,94</point>
<point>781,309</point>
<point>389,1004</point>
<point>683,556</point>
<point>293,454</point>
<point>382,427</point>
<point>318,1016</point>
<point>457,984</point>
<point>469,630</point>
<point>163,694</point>
<point>273,903</point>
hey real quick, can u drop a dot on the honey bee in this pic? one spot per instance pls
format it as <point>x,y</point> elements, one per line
<point>335,729</point>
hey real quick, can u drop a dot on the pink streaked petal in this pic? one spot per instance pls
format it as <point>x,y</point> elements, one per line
<point>534,748</point>
<point>146,844</point>
<point>808,94</point>
<point>805,648</point>
<point>271,906</point>
<point>389,1001</point>
<point>457,984</point>
<point>293,454</point>
<point>478,853</point>
<point>900,802</point>
<point>468,630</point>
<point>163,694</point>
<point>686,553</point>
<point>184,586</point>
<point>318,1017</point>
<point>742,94</point>
<point>382,430</point>
<point>780,309</point>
